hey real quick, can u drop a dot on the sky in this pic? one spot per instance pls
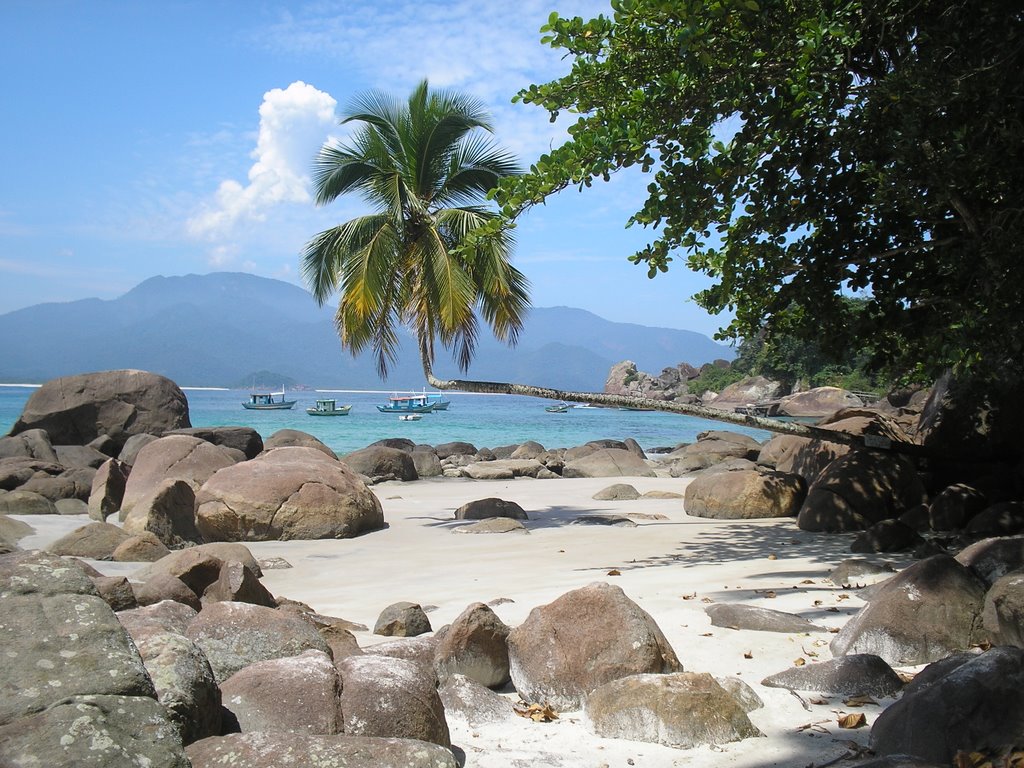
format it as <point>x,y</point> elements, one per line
<point>177,136</point>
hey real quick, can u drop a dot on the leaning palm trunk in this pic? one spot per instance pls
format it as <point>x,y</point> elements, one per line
<point>771,425</point>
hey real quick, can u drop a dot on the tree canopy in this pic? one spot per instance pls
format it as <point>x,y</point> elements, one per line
<point>801,151</point>
<point>422,165</point>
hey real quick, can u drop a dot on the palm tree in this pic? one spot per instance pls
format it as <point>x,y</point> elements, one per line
<point>426,257</point>
<point>423,166</point>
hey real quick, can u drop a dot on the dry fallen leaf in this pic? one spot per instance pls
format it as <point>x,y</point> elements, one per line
<point>817,602</point>
<point>748,654</point>
<point>820,701</point>
<point>859,701</point>
<point>765,592</point>
<point>799,662</point>
<point>614,572</point>
<point>906,677</point>
<point>807,581</point>
<point>706,634</point>
<point>706,600</point>
<point>689,597</point>
<point>832,609</point>
<point>853,720</point>
<point>815,726</point>
<point>773,557</point>
<point>843,596</point>
<point>539,713</point>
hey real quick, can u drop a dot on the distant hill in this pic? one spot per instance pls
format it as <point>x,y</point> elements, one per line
<point>214,330</point>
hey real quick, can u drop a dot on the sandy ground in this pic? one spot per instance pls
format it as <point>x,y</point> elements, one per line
<point>672,567</point>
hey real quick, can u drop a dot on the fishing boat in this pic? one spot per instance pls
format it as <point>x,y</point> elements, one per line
<point>328,408</point>
<point>264,401</point>
<point>410,416</point>
<point>439,401</point>
<point>560,408</point>
<point>407,404</point>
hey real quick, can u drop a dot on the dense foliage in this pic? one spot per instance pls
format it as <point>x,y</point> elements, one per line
<point>422,165</point>
<point>803,150</point>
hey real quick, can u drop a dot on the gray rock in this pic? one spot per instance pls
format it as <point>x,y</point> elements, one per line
<point>293,438</point>
<point>42,574</point>
<point>618,521</point>
<point>886,536</point>
<point>132,446</point>
<point>244,439</point>
<point>617,492</point>
<point>444,450</point>
<point>175,457</point>
<point>585,638</point>
<point>978,705</point>
<point>185,560</point>
<point>494,525</point>
<point>992,558</point>
<point>30,444</point>
<point>426,463</point>
<point>237,583</point>
<point>402,619</point>
<point>381,463</point>
<point>14,530</point>
<point>95,540</point>
<point>71,507</point>
<point>420,650</point>
<point>476,646</point>
<point>77,409</point>
<point>488,470</point>
<point>164,587</point>
<point>298,694</point>
<point>280,749</point>
<point>924,613</point>
<point>1003,614</point>
<point>142,548</point>
<point>391,697</point>
<point>608,462</point>
<point>168,511</point>
<point>158,618</point>
<point>954,506</point>
<point>743,693</point>
<point>94,731</point>
<point>79,456</point>
<point>26,503</point>
<point>1003,519</point>
<point>754,617</point>
<point>857,571</point>
<point>483,509</point>
<point>477,705</point>
<point>235,635</point>
<point>744,493</point>
<point>856,674</point>
<point>684,709</point>
<point>116,592</point>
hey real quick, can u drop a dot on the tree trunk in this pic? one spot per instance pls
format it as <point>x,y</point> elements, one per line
<point>755,422</point>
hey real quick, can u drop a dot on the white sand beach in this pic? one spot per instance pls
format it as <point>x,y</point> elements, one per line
<point>671,564</point>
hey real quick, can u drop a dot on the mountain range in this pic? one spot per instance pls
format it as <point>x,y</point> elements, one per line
<point>219,329</point>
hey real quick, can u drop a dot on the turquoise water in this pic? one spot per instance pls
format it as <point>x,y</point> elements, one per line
<point>483,420</point>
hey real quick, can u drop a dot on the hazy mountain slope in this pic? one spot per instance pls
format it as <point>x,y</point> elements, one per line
<point>216,329</point>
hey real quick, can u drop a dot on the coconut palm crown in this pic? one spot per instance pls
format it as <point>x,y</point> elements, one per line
<point>424,166</point>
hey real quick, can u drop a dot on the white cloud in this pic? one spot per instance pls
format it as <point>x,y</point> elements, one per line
<point>294,123</point>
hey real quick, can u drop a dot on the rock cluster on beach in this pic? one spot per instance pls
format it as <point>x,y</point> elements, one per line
<point>191,660</point>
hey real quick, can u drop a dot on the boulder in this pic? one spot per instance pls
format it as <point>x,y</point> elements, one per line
<point>285,494</point>
<point>30,444</point>
<point>402,619</point>
<point>608,462</point>
<point>26,503</point>
<point>95,540</point>
<point>927,611</point>
<point>298,694</point>
<point>818,402</point>
<point>617,492</point>
<point>978,705</point>
<point>167,511</point>
<point>96,731</point>
<point>1003,519</point>
<point>163,588</point>
<point>954,506</point>
<point>528,450</point>
<point>712,447</point>
<point>380,463</point>
<point>79,456</point>
<point>401,443</point>
<point>754,617</point>
<point>859,571</point>
<point>426,463</point>
<point>493,525</point>
<point>14,530</point>
<point>15,472</point>
<point>753,389</point>
<point>158,618</point>
<point>391,697</point>
<point>582,640</point>
<point>488,470</point>
<point>140,548</point>
<point>184,682</point>
<point>483,509</point>
<point>886,536</point>
<point>237,583</point>
<point>994,557</point>
<point>293,438</point>
<point>1003,614</point>
<point>477,705</point>
<point>116,592</point>
<point>420,650</point>
<point>235,635</point>
<point>858,490</point>
<point>77,409</point>
<point>340,639</point>
<point>132,446</point>
<point>71,507</point>
<point>256,750</point>
<point>475,646</point>
<point>244,439</point>
<point>39,573</point>
<point>206,558</point>
<point>175,457</point>
<point>744,492</point>
<point>683,709</point>
<point>73,483</point>
<point>444,450</point>
<point>859,674</point>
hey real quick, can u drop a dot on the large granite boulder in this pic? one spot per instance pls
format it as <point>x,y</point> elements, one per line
<point>858,490</point>
<point>484,509</point>
<point>744,491</point>
<point>204,561</point>
<point>1003,614</point>
<point>402,619</point>
<point>753,389</point>
<point>235,635</point>
<point>857,674</point>
<point>385,696</point>
<point>107,490</point>
<point>608,462</point>
<point>26,503</point>
<point>95,540</point>
<point>712,447</point>
<point>757,618</point>
<point>140,548</point>
<point>278,748</point>
<point>297,693</point>
<point>992,558</point>
<point>175,457</point>
<point>683,709</point>
<point>75,410</point>
<point>924,613</point>
<point>978,705</point>
<point>60,639</point>
<point>294,438</point>
<point>95,731</point>
<point>159,618</point>
<point>584,639</point>
<point>475,645</point>
<point>818,402</point>
<point>466,699</point>
<point>30,444</point>
<point>381,463</point>
<point>285,494</point>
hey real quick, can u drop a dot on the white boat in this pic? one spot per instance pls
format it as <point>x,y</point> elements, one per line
<point>264,401</point>
<point>409,416</point>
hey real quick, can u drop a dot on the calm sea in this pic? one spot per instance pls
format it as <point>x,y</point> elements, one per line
<point>483,420</point>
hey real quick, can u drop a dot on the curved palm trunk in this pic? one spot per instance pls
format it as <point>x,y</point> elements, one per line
<point>756,422</point>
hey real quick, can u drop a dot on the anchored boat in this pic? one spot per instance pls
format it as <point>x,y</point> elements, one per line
<point>328,408</point>
<point>407,404</point>
<point>264,401</point>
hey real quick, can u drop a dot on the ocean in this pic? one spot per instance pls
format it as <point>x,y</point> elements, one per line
<point>483,420</point>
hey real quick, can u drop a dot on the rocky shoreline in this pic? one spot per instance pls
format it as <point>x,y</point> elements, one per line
<point>193,659</point>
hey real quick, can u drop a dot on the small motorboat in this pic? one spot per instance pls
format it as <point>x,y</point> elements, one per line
<point>409,416</point>
<point>264,401</point>
<point>328,408</point>
<point>560,408</point>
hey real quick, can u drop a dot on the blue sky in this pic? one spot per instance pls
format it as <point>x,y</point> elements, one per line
<point>176,136</point>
